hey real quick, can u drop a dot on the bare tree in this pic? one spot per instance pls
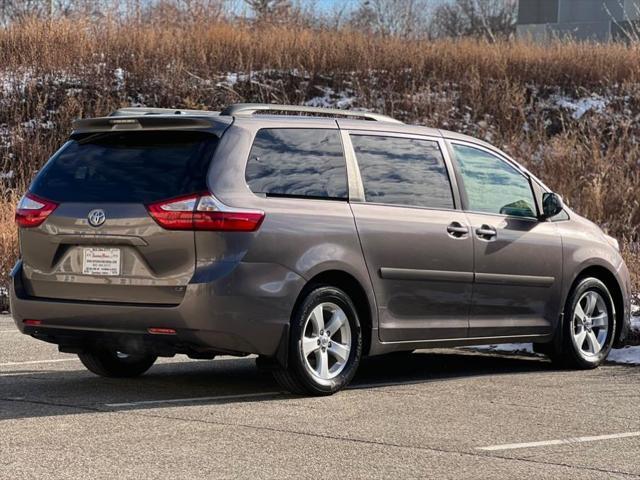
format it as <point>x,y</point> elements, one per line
<point>138,10</point>
<point>270,11</point>
<point>184,11</point>
<point>491,19</point>
<point>628,28</point>
<point>392,17</point>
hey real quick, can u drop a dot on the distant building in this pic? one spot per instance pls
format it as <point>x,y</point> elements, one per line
<point>595,20</point>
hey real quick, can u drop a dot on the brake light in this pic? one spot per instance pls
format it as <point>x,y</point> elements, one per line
<point>33,210</point>
<point>32,323</point>
<point>174,214</point>
<point>203,212</point>
<point>161,331</point>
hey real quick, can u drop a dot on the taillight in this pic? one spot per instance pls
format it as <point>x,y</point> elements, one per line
<point>174,214</point>
<point>203,212</point>
<point>161,331</point>
<point>33,210</point>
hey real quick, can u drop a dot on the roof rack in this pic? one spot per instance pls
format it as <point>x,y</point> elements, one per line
<point>137,111</point>
<point>248,109</point>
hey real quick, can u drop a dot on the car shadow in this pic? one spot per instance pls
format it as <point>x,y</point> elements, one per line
<point>38,393</point>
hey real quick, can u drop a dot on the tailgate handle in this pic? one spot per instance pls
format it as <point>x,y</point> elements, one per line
<point>67,239</point>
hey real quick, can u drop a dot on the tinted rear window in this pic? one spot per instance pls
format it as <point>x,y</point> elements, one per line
<point>297,162</point>
<point>403,171</point>
<point>136,167</point>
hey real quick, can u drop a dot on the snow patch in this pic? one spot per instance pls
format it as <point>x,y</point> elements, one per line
<point>581,106</point>
<point>231,79</point>
<point>507,347</point>
<point>331,99</point>
<point>119,74</point>
<point>627,355</point>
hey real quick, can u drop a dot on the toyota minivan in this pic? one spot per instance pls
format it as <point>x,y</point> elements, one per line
<point>310,237</point>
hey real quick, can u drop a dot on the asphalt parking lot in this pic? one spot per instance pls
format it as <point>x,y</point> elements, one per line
<point>437,414</point>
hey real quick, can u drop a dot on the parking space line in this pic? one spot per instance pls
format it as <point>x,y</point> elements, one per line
<point>35,362</point>
<point>565,441</point>
<point>194,399</point>
<point>244,396</point>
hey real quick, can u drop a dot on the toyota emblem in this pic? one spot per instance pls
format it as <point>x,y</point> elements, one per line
<point>96,217</point>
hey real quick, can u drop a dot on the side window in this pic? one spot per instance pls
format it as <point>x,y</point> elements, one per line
<point>298,162</point>
<point>402,171</point>
<point>492,185</point>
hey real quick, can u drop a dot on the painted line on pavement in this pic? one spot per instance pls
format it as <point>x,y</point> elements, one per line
<point>194,399</point>
<point>246,396</point>
<point>35,362</point>
<point>564,441</point>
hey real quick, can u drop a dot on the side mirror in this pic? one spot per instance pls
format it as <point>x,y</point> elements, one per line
<point>551,205</point>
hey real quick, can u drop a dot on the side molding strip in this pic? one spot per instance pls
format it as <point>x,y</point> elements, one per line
<point>465,277</point>
<point>519,280</point>
<point>433,275</point>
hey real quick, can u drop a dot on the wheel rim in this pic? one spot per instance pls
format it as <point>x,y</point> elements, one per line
<point>590,324</point>
<point>326,341</point>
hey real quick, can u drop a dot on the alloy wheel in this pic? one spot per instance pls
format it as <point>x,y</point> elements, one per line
<point>590,323</point>
<point>326,341</point>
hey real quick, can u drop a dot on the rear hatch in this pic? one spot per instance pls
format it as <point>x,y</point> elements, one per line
<point>100,243</point>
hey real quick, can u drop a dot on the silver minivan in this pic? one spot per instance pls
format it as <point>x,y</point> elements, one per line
<point>310,237</point>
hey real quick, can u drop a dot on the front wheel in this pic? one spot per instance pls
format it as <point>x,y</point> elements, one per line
<point>115,364</point>
<point>325,344</point>
<point>589,325</point>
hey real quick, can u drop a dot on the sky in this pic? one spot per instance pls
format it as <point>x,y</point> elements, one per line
<point>331,3</point>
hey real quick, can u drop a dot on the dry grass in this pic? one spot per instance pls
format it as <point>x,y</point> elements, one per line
<point>209,48</point>
<point>504,92</point>
<point>8,238</point>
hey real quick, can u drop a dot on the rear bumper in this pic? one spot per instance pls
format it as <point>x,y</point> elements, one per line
<point>245,310</point>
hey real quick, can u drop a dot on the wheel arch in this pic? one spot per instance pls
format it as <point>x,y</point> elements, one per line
<point>356,291</point>
<point>606,276</point>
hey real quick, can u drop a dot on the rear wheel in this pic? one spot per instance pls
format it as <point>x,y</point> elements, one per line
<point>589,325</point>
<point>115,364</point>
<point>325,344</point>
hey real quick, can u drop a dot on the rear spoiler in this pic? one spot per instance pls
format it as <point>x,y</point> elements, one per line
<point>210,123</point>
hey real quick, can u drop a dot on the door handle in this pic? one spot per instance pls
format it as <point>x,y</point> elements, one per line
<point>456,229</point>
<point>486,231</point>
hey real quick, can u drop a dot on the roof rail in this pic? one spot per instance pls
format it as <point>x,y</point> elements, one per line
<point>137,111</point>
<point>247,109</point>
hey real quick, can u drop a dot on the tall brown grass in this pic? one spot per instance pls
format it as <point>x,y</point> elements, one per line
<point>508,93</point>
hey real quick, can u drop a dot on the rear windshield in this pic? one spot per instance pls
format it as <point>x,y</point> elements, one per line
<point>132,167</point>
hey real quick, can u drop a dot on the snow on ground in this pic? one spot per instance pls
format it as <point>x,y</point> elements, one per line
<point>628,355</point>
<point>507,348</point>
<point>330,99</point>
<point>581,106</point>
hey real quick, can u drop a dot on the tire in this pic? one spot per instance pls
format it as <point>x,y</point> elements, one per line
<point>589,326</point>
<point>113,364</point>
<point>308,374</point>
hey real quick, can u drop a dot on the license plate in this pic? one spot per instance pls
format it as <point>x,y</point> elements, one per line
<point>101,261</point>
